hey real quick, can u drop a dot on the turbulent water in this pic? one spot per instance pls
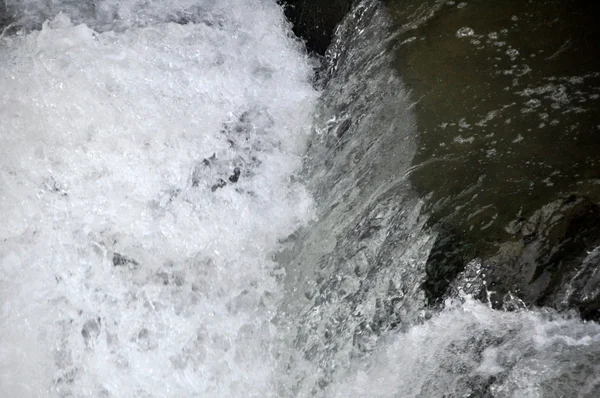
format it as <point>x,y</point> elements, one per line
<point>146,175</point>
<point>185,215</point>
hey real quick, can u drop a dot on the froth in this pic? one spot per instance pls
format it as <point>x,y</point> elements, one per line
<point>471,349</point>
<point>134,262</point>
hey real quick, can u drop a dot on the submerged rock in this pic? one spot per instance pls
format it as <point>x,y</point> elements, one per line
<point>236,175</point>
<point>4,17</point>
<point>91,330</point>
<point>553,259</point>
<point>445,262</point>
<point>121,260</point>
<point>199,170</point>
<point>220,184</point>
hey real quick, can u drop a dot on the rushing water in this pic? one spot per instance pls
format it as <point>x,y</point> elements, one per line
<point>132,263</point>
<point>185,215</point>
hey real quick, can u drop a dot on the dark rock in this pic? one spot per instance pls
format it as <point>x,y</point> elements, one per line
<point>314,21</point>
<point>208,161</point>
<point>236,175</point>
<point>553,259</point>
<point>121,260</point>
<point>505,136</point>
<point>446,260</point>
<point>220,184</point>
<point>584,292</point>
<point>4,17</point>
<point>91,330</point>
<point>343,128</point>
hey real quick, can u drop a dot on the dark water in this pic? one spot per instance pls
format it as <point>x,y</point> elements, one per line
<point>508,97</point>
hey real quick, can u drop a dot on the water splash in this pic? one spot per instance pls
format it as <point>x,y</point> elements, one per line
<point>470,350</point>
<point>123,273</point>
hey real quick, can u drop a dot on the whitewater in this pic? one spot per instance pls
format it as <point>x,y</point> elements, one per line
<point>146,174</point>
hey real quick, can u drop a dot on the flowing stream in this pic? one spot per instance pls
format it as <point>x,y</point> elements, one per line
<point>188,212</point>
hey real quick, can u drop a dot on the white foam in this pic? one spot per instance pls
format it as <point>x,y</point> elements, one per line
<point>469,346</point>
<point>100,136</point>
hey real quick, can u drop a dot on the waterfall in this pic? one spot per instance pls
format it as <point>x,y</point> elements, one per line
<point>194,205</point>
<point>148,153</point>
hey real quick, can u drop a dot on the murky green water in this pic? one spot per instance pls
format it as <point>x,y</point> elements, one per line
<point>507,95</point>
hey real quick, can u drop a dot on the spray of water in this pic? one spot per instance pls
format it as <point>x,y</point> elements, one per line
<point>145,176</point>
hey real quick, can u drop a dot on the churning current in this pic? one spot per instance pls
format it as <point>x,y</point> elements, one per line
<point>147,153</point>
<point>185,215</point>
